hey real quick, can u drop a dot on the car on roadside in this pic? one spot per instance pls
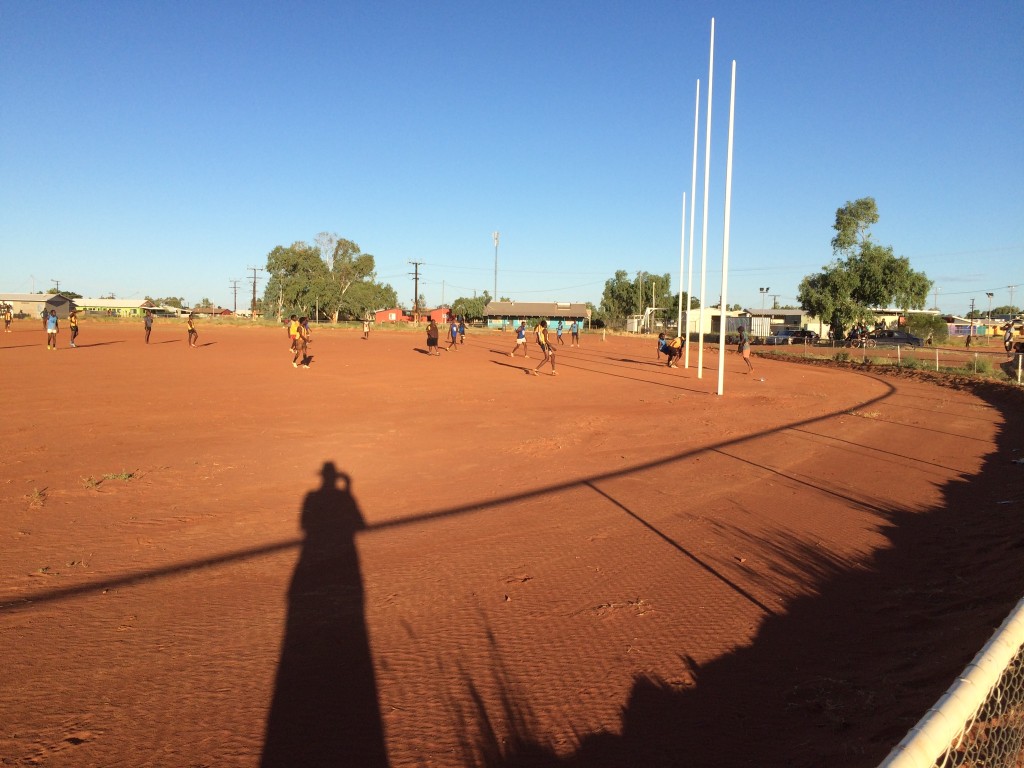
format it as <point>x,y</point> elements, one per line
<point>784,336</point>
<point>894,339</point>
<point>805,335</point>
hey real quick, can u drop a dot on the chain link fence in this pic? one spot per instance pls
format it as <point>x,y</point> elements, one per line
<point>979,721</point>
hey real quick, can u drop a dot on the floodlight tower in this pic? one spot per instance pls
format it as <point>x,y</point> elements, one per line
<point>989,305</point>
<point>497,236</point>
<point>764,292</point>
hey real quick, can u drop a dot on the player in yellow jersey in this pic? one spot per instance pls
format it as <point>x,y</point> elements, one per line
<point>193,334</point>
<point>545,344</point>
<point>73,323</point>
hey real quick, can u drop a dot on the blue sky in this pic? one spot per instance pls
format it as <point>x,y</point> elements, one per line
<point>163,148</point>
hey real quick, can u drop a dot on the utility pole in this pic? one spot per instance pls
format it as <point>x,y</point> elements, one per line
<point>234,287</point>
<point>416,290</point>
<point>989,305</point>
<point>57,284</point>
<point>775,300</point>
<point>252,309</point>
<point>936,298</point>
<point>1011,287</point>
<point>970,331</point>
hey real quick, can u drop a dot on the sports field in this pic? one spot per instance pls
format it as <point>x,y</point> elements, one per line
<point>210,558</point>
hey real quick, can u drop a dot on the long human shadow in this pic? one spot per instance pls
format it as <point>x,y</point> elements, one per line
<point>325,709</point>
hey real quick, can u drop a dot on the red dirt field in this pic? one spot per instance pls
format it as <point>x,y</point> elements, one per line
<point>213,559</point>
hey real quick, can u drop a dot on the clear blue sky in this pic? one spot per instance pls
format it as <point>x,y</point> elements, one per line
<point>162,148</point>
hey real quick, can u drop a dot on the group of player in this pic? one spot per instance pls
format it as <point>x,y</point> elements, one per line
<point>51,324</point>
<point>456,335</point>
<point>673,349</point>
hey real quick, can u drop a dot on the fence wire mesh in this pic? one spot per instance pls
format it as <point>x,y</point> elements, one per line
<point>994,736</point>
<point>979,721</point>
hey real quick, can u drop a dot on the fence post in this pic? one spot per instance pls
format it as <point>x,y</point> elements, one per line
<point>936,359</point>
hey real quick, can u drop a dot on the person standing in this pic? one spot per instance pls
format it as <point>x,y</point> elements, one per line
<point>8,317</point>
<point>544,341</point>
<point>745,348</point>
<point>147,323</point>
<point>453,333</point>
<point>366,330</point>
<point>51,329</point>
<point>520,341</point>
<point>302,351</point>
<point>462,330</point>
<point>574,329</point>
<point>558,332</point>
<point>193,334</point>
<point>1008,339</point>
<point>73,324</point>
<point>432,334</point>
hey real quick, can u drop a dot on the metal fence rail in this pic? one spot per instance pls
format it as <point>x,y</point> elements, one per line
<point>979,721</point>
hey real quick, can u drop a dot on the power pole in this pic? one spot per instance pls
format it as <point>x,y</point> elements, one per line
<point>252,309</point>
<point>1011,287</point>
<point>57,284</point>
<point>775,300</point>
<point>970,331</point>
<point>234,287</point>
<point>416,290</point>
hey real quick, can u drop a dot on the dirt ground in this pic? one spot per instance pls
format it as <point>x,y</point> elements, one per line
<point>210,558</point>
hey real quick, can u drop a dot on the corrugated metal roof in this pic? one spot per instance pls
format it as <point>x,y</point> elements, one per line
<point>535,309</point>
<point>26,297</point>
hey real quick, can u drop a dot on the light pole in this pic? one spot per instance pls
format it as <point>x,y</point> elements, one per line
<point>764,292</point>
<point>497,236</point>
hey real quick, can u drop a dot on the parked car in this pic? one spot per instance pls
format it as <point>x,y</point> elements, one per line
<point>785,336</point>
<point>805,335</point>
<point>893,339</point>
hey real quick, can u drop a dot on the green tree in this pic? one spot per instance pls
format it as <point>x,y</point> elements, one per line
<point>862,276</point>
<point>170,301</point>
<point>68,294</point>
<point>348,266</point>
<point>471,309</point>
<point>299,282</point>
<point>1006,309</point>
<point>624,296</point>
<point>364,298</point>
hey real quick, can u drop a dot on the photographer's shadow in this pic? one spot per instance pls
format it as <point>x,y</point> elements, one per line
<point>325,710</point>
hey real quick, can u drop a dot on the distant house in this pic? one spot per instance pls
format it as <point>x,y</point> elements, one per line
<point>114,307</point>
<point>33,304</point>
<point>439,315</point>
<point>211,311</point>
<point>500,314</point>
<point>394,315</point>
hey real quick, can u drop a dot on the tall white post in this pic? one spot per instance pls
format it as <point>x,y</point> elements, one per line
<point>725,238</point>
<point>693,205</point>
<point>704,229</point>
<point>682,267</point>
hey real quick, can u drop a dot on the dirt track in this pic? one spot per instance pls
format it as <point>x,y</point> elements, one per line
<point>610,567</point>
